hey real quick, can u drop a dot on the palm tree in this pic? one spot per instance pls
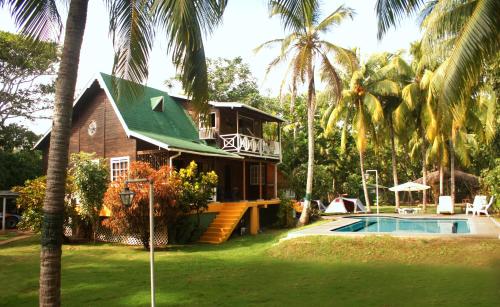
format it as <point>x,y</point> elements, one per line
<point>360,107</point>
<point>393,68</point>
<point>132,26</point>
<point>470,29</point>
<point>303,49</point>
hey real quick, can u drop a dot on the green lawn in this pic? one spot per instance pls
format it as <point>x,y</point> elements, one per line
<point>371,271</point>
<point>7,235</point>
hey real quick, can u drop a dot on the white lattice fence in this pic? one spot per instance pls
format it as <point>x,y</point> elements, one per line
<point>105,234</point>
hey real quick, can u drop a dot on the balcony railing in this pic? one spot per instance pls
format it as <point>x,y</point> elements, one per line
<point>250,145</point>
<point>207,133</point>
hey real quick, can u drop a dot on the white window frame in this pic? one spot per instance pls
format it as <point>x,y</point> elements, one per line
<point>118,160</point>
<point>201,124</point>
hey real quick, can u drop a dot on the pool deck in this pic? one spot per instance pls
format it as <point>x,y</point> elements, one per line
<point>480,226</point>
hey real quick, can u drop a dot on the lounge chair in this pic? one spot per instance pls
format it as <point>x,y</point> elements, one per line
<point>478,201</point>
<point>445,205</point>
<point>483,208</point>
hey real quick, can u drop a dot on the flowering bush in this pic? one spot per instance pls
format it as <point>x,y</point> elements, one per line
<point>30,203</point>
<point>135,219</point>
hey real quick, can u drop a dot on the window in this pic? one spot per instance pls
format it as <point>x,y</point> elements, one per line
<point>210,123</point>
<point>119,167</point>
<point>254,174</point>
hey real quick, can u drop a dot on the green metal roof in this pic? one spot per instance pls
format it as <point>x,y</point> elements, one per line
<point>172,126</point>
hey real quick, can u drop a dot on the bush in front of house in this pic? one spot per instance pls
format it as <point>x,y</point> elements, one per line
<point>135,219</point>
<point>286,212</point>
<point>197,188</point>
<point>91,177</point>
<point>30,203</point>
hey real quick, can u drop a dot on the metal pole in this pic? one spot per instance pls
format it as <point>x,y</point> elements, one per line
<point>151,242</point>
<point>3,213</point>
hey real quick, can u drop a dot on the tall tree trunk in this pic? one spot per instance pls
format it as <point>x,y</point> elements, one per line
<point>424,170</point>
<point>452,167</point>
<point>53,208</point>
<point>441,179</point>
<point>311,108</point>
<point>292,112</point>
<point>363,180</point>
<point>394,162</point>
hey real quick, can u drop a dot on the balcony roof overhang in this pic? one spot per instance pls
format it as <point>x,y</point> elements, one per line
<point>238,105</point>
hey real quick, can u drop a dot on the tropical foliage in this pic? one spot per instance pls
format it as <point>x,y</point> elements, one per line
<point>303,49</point>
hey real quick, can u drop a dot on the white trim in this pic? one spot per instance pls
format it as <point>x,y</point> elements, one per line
<point>118,160</point>
<point>113,104</point>
<point>242,105</point>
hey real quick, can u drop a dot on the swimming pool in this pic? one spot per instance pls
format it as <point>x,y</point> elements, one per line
<point>385,224</point>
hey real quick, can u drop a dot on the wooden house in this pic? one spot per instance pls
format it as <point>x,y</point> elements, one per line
<point>240,143</point>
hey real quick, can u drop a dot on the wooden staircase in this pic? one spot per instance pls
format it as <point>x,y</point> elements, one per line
<point>223,225</point>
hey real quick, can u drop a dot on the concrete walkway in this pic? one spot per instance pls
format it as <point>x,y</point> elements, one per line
<point>23,236</point>
<point>480,227</point>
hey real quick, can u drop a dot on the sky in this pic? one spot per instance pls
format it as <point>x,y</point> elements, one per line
<point>246,24</point>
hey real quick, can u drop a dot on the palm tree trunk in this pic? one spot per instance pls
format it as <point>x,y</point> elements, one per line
<point>53,208</point>
<point>452,167</point>
<point>311,108</point>
<point>441,179</point>
<point>424,170</point>
<point>394,162</point>
<point>363,180</point>
<point>292,112</point>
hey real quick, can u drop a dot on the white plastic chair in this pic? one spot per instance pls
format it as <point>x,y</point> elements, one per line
<point>445,205</point>
<point>479,200</point>
<point>484,207</point>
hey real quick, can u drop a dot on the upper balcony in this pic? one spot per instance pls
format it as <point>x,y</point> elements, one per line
<point>242,129</point>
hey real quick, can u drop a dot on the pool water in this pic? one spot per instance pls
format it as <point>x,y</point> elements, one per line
<point>402,225</point>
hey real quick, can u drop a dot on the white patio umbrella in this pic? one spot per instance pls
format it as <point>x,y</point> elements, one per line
<point>409,187</point>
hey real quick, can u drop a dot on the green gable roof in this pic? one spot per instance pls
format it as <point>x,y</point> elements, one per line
<point>172,126</point>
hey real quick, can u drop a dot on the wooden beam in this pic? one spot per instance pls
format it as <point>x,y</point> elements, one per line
<point>275,180</point>
<point>260,180</point>
<point>254,220</point>
<point>244,180</point>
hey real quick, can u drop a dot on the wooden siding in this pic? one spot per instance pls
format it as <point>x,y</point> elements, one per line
<point>109,140</point>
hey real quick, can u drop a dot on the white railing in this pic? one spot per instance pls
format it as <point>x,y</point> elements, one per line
<point>206,133</point>
<point>242,143</point>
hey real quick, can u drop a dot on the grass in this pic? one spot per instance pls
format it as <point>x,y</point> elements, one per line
<point>7,235</point>
<point>370,271</point>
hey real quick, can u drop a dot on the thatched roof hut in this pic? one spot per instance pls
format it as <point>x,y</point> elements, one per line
<point>469,180</point>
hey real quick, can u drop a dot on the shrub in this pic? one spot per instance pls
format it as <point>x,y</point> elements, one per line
<point>196,191</point>
<point>91,179</point>
<point>489,183</point>
<point>286,218</point>
<point>30,203</point>
<point>135,219</point>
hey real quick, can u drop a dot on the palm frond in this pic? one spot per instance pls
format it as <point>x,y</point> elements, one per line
<point>391,12</point>
<point>345,57</point>
<point>330,76</point>
<point>185,22</point>
<point>478,40</point>
<point>39,19</point>
<point>374,107</point>
<point>296,15</point>
<point>385,88</point>
<point>133,33</point>
<point>335,18</point>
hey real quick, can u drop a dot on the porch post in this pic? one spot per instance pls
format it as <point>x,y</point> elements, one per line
<point>237,122</point>
<point>260,180</point>
<point>275,180</point>
<point>244,180</point>
<point>254,220</point>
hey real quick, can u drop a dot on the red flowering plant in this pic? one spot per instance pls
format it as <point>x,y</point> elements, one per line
<point>135,219</point>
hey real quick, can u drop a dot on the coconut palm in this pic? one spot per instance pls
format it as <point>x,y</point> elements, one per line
<point>469,28</point>
<point>304,50</point>
<point>393,68</point>
<point>360,107</point>
<point>132,26</point>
